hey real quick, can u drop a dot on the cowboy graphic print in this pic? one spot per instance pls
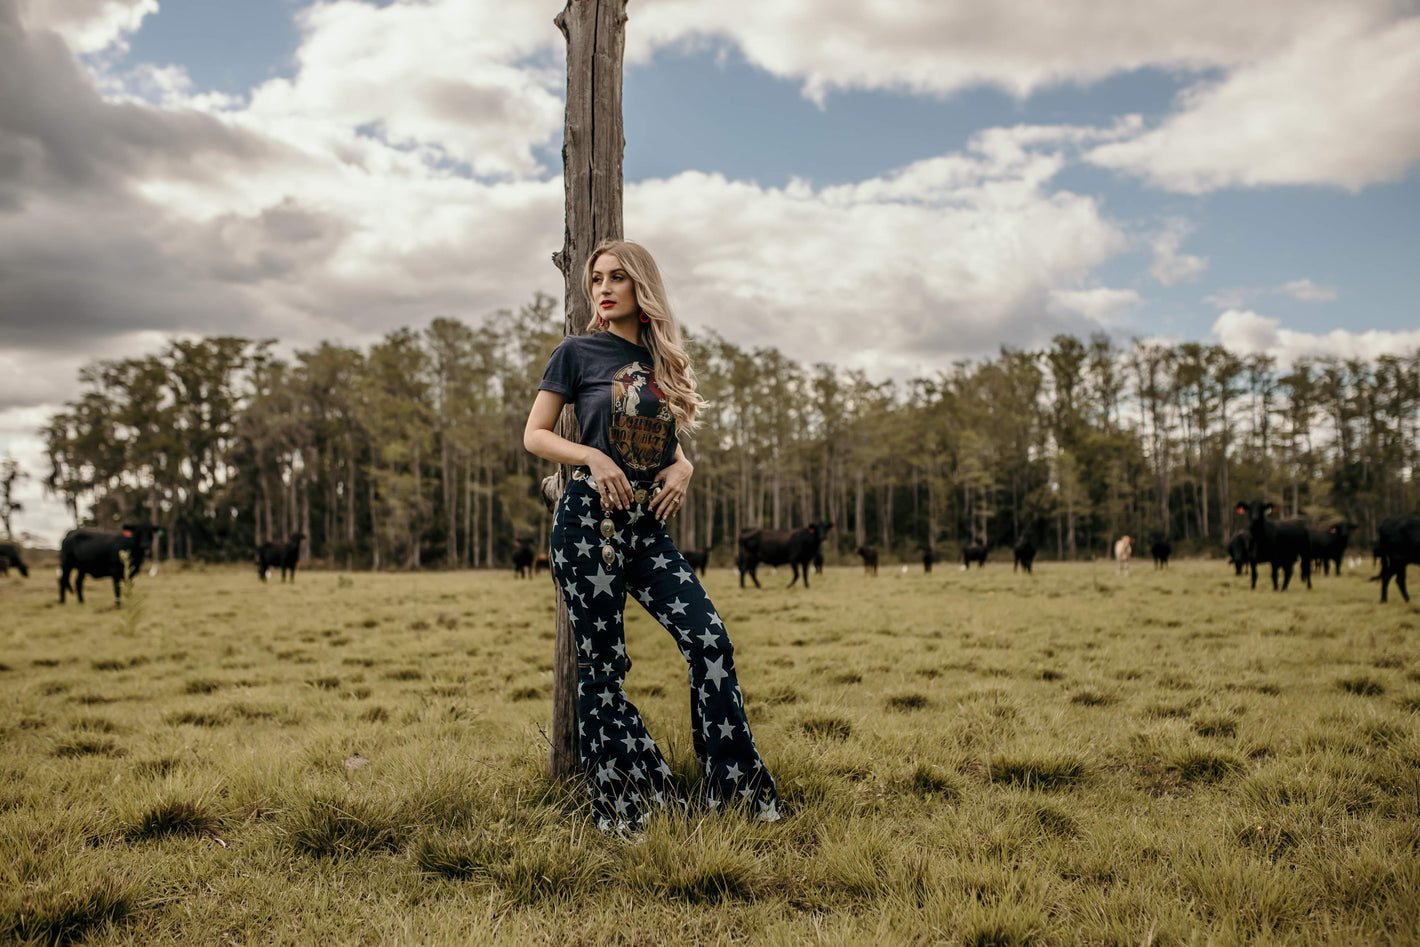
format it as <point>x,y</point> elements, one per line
<point>641,422</point>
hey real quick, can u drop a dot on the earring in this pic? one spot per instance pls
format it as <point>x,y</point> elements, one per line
<point>601,323</point>
<point>644,318</point>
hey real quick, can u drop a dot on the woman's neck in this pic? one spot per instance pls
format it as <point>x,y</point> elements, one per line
<point>627,329</point>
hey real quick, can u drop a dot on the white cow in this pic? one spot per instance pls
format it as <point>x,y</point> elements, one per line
<point>1122,550</point>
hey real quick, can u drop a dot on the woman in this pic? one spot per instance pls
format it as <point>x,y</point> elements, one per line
<point>634,390</point>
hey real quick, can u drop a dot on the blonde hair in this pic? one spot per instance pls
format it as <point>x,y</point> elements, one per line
<point>661,336</point>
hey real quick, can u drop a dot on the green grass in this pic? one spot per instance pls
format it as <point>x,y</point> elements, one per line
<point>965,758</point>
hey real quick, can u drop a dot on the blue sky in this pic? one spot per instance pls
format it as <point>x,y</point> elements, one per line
<point>887,186</point>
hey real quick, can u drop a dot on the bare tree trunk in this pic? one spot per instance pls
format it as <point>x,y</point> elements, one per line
<point>470,549</point>
<point>860,527</point>
<point>592,146</point>
<point>374,528</point>
<point>306,519</point>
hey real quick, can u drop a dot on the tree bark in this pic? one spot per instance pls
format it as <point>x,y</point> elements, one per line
<point>592,147</point>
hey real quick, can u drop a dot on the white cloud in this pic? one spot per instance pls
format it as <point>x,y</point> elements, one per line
<point>42,516</point>
<point>857,273</point>
<point>1100,304</point>
<point>448,80</point>
<point>941,46</point>
<point>1308,292</point>
<point>1303,290</point>
<point>1170,266</point>
<point>1335,107</point>
<point>88,26</point>
<point>1246,332</point>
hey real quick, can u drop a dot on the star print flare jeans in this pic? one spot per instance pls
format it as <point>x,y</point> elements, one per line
<point>626,774</point>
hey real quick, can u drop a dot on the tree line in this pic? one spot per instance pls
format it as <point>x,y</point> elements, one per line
<point>409,454</point>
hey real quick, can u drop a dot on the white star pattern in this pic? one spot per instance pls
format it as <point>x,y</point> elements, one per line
<point>584,548</point>
<point>630,743</point>
<point>707,638</point>
<point>715,671</point>
<point>601,583</point>
<point>677,607</point>
<point>715,620</point>
<point>684,576</point>
<point>727,730</point>
<point>659,561</point>
<point>589,521</point>
<point>557,558</point>
<point>733,772</point>
<point>599,624</point>
<point>607,697</point>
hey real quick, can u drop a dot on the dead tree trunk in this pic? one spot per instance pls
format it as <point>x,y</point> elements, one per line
<point>592,146</point>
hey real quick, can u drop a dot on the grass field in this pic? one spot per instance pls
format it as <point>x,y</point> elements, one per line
<point>965,758</point>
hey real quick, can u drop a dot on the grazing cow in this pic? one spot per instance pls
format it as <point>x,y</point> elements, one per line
<point>283,556</point>
<point>100,553</point>
<point>1161,549</point>
<point>1240,551</point>
<point>869,556</point>
<point>522,558</point>
<point>778,548</point>
<point>542,562</point>
<point>10,556</point>
<point>1123,549</point>
<point>1399,546</point>
<point>927,558</point>
<point>1023,555</point>
<point>974,553</point>
<point>1280,544</point>
<point>1329,546</point>
<point>698,559</point>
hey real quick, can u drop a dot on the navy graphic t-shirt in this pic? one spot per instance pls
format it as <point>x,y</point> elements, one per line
<point>612,386</point>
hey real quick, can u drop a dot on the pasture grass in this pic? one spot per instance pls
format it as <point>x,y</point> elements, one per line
<point>973,758</point>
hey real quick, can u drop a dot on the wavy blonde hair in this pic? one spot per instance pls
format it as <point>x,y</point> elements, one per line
<point>661,336</point>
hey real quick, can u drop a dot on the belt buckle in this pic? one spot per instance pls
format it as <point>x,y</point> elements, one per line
<point>640,495</point>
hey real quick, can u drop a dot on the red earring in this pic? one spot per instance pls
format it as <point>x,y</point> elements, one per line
<point>601,323</point>
<point>644,318</point>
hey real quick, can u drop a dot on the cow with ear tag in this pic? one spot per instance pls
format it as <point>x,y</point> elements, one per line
<point>102,553</point>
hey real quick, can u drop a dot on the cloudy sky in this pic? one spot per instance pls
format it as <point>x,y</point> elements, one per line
<point>890,185</point>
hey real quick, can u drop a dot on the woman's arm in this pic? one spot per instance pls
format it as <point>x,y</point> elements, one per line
<point>540,439</point>
<point>676,478</point>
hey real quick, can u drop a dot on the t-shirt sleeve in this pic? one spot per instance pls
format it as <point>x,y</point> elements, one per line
<point>562,374</point>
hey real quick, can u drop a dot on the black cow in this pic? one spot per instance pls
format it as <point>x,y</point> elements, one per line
<point>1240,551</point>
<point>778,548</point>
<point>927,558</point>
<point>283,556</point>
<point>10,556</point>
<point>974,553</point>
<point>100,553</point>
<point>1023,555</point>
<point>522,558</point>
<point>869,555</point>
<point>1280,544</point>
<point>1399,546</point>
<point>818,562</point>
<point>698,559</point>
<point>1329,546</point>
<point>1161,549</point>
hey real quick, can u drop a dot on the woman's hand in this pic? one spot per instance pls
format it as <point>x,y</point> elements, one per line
<point>676,481</point>
<point>612,484</point>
